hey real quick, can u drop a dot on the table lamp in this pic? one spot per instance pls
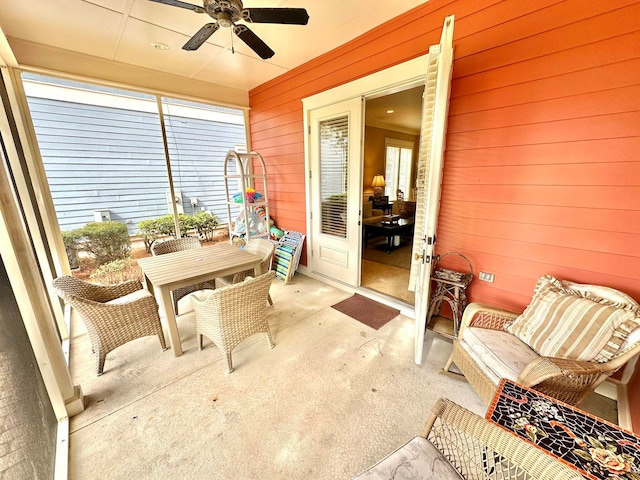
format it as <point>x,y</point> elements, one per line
<point>377,184</point>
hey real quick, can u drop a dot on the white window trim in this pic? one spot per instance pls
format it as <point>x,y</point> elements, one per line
<point>69,93</point>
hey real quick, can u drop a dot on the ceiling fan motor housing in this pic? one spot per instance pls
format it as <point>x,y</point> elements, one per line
<point>225,11</point>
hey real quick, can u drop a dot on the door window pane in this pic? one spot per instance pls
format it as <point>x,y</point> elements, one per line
<point>334,159</point>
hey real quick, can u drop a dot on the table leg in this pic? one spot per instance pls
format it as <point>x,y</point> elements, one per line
<point>172,324</point>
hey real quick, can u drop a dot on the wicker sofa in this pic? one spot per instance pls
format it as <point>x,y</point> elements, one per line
<point>457,443</point>
<point>569,340</point>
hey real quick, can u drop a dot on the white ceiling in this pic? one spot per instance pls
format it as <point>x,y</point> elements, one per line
<point>123,30</point>
<point>400,111</point>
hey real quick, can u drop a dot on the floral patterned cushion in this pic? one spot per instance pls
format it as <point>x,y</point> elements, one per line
<point>416,460</point>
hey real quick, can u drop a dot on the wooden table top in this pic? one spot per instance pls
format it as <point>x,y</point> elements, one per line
<point>212,261</point>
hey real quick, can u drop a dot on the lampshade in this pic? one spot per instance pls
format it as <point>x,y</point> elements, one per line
<point>378,181</point>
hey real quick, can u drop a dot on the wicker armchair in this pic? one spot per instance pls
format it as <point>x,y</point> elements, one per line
<point>262,248</point>
<point>177,245</point>
<point>113,314</point>
<point>565,379</point>
<point>458,443</point>
<point>230,314</point>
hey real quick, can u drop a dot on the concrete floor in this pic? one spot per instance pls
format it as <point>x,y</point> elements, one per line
<point>331,398</point>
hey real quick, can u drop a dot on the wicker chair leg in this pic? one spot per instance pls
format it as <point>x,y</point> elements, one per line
<point>200,342</point>
<point>229,362</point>
<point>270,301</point>
<point>175,304</point>
<point>163,342</point>
<point>447,366</point>
<point>100,358</point>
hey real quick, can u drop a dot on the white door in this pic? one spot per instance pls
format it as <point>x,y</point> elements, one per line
<point>429,175</point>
<point>335,152</point>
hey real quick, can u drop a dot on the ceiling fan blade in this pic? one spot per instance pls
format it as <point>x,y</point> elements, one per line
<point>201,36</point>
<point>253,41</point>
<point>178,3</point>
<point>291,16</point>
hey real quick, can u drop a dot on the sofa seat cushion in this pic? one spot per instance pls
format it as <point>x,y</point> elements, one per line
<point>416,459</point>
<point>562,322</point>
<point>499,353</point>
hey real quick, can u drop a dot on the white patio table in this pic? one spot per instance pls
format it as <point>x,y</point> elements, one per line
<point>167,272</point>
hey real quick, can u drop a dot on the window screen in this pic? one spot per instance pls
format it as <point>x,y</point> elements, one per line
<point>102,150</point>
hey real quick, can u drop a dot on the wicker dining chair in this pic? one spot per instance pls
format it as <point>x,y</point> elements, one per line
<point>112,314</point>
<point>457,443</point>
<point>178,245</point>
<point>230,314</point>
<point>262,248</point>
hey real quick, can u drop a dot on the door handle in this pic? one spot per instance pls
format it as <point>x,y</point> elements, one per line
<point>420,256</point>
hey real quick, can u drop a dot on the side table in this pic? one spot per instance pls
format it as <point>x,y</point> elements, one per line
<point>596,448</point>
<point>449,286</point>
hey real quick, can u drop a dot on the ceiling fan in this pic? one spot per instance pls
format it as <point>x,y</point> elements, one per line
<point>228,12</point>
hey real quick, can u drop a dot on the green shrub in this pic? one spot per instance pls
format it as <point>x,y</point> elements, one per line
<point>166,226</point>
<point>202,222</point>
<point>186,223</point>
<point>148,231</point>
<point>71,240</point>
<point>117,271</point>
<point>107,241</point>
<point>205,224</point>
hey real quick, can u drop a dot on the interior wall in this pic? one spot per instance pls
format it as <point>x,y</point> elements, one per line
<point>541,172</point>
<point>374,155</point>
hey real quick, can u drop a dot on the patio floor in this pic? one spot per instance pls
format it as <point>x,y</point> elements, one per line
<point>331,398</point>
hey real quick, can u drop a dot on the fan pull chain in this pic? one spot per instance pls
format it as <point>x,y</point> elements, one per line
<point>232,49</point>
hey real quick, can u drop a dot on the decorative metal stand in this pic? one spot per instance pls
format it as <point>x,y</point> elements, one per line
<point>449,286</point>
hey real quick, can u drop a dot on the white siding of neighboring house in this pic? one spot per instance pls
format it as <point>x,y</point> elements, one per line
<point>103,157</point>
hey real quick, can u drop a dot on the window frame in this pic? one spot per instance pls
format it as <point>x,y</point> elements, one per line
<point>392,181</point>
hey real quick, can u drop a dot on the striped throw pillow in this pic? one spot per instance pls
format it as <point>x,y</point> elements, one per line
<point>561,322</point>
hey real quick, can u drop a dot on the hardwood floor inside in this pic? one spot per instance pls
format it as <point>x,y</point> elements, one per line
<point>387,273</point>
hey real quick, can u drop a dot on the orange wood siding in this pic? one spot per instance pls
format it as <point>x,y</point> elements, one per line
<point>542,170</point>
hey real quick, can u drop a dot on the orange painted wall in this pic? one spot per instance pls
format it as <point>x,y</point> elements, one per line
<point>542,170</point>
